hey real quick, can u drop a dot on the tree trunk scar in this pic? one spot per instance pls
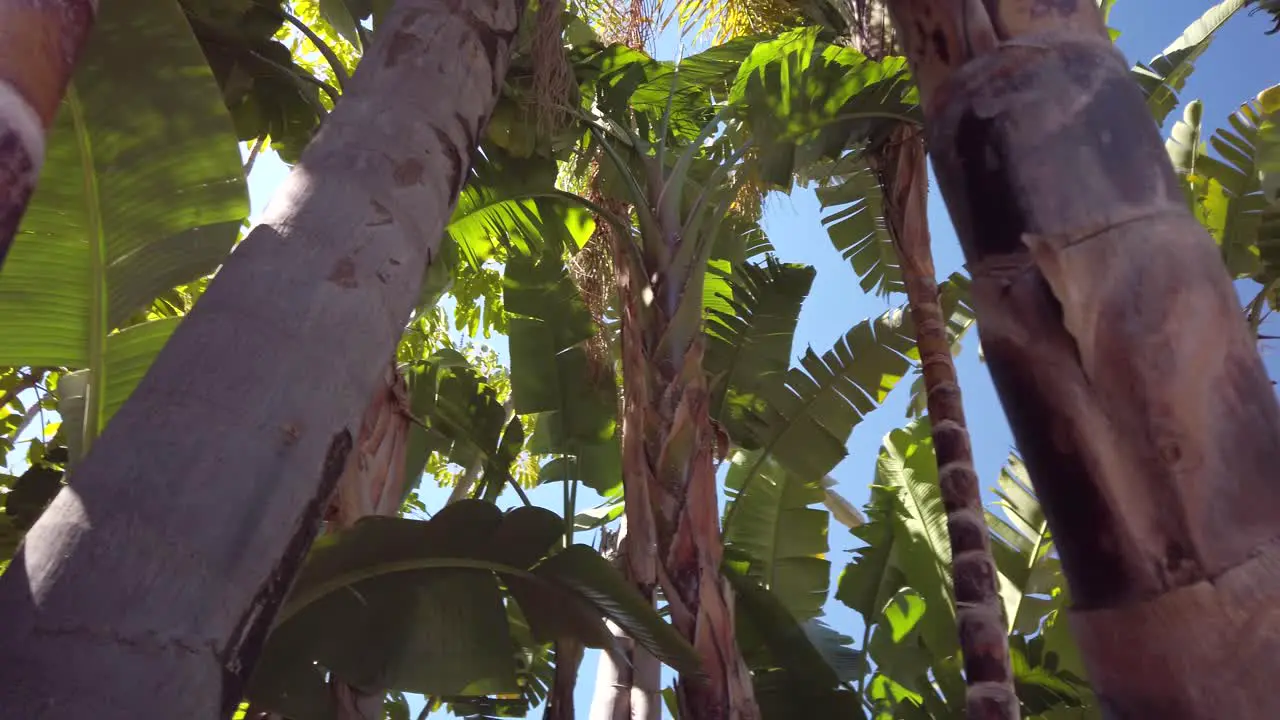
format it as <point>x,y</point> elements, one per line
<point>254,626</point>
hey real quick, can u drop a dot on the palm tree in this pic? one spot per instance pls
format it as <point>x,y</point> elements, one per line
<point>37,70</point>
<point>1152,457</point>
<point>897,160</point>
<point>190,543</point>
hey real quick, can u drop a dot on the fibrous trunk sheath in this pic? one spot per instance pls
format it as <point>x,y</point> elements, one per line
<point>984,643</point>
<point>40,41</point>
<point>1116,343</point>
<point>670,488</point>
<point>148,586</point>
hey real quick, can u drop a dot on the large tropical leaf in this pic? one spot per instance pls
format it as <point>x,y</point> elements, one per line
<point>798,670</point>
<point>141,190</point>
<point>1226,188</point>
<point>1022,549</point>
<point>908,467</point>
<point>812,410</point>
<point>749,336</point>
<point>511,205</point>
<point>776,527</point>
<point>801,95</point>
<point>416,606</point>
<point>1166,74</point>
<point>857,226</point>
<point>551,373</point>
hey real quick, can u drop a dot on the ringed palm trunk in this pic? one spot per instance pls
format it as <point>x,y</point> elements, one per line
<point>672,512</point>
<point>984,642</point>
<point>1116,342</point>
<point>189,518</point>
<point>902,172</point>
<point>39,44</point>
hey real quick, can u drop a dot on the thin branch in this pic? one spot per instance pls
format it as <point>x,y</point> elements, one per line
<point>253,154</point>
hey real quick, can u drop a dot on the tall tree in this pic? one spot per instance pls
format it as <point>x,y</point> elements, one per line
<point>1115,340</point>
<point>190,516</point>
<point>41,43</point>
<point>900,168</point>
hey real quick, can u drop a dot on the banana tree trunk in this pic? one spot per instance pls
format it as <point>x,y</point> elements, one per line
<point>670,489</point>
<point>1116,342</point>
<point>630,690</point>
<point>148,586</point>
<point>41,42</point>
<point>984,644</point>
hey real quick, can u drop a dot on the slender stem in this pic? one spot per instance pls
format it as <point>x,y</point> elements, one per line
<point>254,149</point>
<point>339,72</point>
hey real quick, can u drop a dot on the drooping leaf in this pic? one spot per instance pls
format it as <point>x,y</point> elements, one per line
<point>796,87</point>
<point>1166,74</point>
<point>857,228</point>
<point>585,571</point>
<point>792,675</point>
<point>776,527</point>
<point>812,410</point>
<point>749,340</point>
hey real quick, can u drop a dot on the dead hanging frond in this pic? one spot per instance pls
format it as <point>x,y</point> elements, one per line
<point>552,76</point>
<point>872,30</point>
<point>592,272</point>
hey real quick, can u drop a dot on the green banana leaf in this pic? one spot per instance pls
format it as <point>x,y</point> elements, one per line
<point>749,336</point>
<point>857,228</point>
<point>416,605</point>
<point>1166,74</point>
<point>141,190</point>
<point>780,533</point>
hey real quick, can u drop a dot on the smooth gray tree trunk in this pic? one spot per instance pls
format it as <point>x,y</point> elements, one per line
<point>148,586</point>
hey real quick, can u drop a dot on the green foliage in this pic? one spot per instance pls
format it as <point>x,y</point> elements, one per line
<point>1166,74</point>
<point>130,204</point>
<point>1231,191</point>
<point>417,606</point>
<point>899,582</point>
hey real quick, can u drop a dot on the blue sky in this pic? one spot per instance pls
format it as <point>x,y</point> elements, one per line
<point>1241,62</point>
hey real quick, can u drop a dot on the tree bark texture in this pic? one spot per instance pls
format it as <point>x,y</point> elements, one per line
<point>148,586</point>
<point>1116,343</point>
<point>670,487</point>
<point>39,43</point>
<point>373,483</point>
<point>984,642</point>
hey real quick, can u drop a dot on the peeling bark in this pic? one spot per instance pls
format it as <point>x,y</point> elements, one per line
<point>185,523</point>
<point>983,635</point>
<point>670,488</point>
<point>1116,343</point>
<point>39,43</point>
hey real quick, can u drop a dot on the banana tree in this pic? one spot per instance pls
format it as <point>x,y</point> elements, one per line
<point>1092,403</point>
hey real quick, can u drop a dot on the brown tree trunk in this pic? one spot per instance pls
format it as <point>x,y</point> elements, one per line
<point>147,587</point>
<point>1116,343</point>
<point>984,642</point>
<point>39,44</point>
<point>673,517</point>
